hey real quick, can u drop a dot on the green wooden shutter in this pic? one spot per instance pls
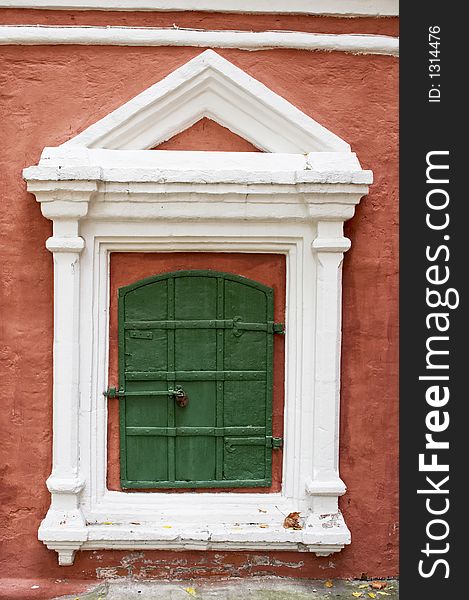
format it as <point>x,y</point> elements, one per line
<point>211,335</point>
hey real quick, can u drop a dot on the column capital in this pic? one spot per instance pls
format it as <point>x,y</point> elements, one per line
<point>65,244</point>
<point>330,237</point>
<point>65,210</point>
<point>63,199</point>
<point>340,244</point>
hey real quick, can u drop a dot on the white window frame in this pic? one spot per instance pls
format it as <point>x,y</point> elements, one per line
<point>135,200</point>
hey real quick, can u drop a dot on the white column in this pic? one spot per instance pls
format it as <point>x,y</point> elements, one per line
<point>64,528</point>
<point>325,484</point>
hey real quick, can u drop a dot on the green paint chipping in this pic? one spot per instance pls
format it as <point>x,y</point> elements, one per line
<point>208,335</point>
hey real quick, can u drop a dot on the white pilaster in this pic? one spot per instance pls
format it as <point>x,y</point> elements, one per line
<point>64,528</point>
<point>325,484</point>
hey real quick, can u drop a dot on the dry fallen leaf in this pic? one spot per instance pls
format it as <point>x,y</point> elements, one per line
<point>357,594</point>
<point>378,585</point>
<point>362,586</point>
<point>263,525</point>
<point>262,510</point>
<point>383,593</point>
<point>292,521</point>
<point>328,583</point>
<point>371,595</point>
<point>167,526</point>
<point>191,591</point>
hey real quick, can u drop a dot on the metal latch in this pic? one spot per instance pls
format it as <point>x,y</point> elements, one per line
<point>182,399</point>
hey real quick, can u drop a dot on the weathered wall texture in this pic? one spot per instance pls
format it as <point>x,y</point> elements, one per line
<point>203,20</point>
<point>209,136</point>
<point>49,95</point>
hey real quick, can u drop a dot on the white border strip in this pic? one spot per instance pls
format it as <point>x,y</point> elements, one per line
<point>245,40</point>
<point>349,8</point>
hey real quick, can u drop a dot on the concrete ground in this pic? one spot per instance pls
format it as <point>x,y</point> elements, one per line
<point>243,589</point>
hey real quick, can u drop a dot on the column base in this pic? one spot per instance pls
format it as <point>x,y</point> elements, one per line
<point>330,529</point>
<point>65,552</point>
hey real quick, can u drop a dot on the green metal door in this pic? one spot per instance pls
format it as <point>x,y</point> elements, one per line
<point>195,381</point>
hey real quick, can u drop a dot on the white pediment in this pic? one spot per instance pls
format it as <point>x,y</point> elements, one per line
<point>212,87</point>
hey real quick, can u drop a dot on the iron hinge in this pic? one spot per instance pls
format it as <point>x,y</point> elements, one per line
<point>113,392</point>
<point>275,442</point>
<point>279,328</point>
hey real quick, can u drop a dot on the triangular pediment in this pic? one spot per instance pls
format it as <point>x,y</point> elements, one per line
<point>209,86</point>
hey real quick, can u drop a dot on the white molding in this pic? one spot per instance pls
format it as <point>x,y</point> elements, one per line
<point>152,36</point>
<point>70,168</point>
<point>350,8</point>
<point>212,87</point>
<point>103,200</point>
<point>209,86</point>
<point>206,86</point>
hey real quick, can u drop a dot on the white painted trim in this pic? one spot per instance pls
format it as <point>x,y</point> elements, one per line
<point>103,200</point>
<point>208,86</point>
<point>173,172</point>
<point>349,8</point>
<point>277,218</point>
<point>151,36</point>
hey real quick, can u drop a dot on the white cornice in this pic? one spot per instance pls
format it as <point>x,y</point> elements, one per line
<point>166,168</point>
<point>142,185</point>
<point>30,35</point>
<point>350,8</point>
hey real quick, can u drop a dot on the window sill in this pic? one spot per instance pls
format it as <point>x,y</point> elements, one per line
<point>321,534</point>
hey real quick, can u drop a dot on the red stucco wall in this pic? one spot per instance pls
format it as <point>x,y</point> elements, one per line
<point>52,93</point>
<point>203,20</point>
<point>209,136</point>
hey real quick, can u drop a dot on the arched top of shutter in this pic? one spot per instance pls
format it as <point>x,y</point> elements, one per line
<point>195,273</point>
